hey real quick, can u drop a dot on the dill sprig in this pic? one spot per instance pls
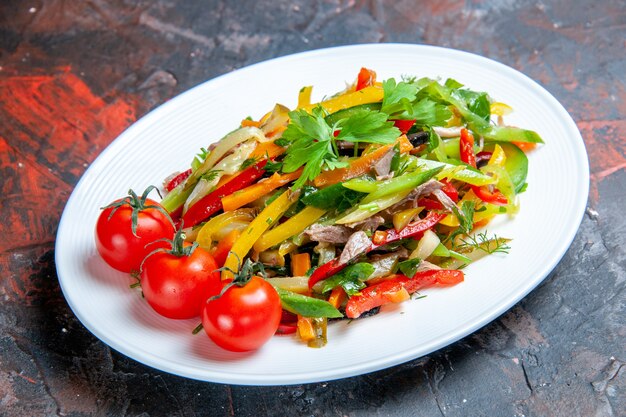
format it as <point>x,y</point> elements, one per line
<point>481,241</point>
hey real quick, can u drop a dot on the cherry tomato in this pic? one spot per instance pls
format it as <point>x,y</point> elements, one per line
<point>177,284</point>
<point>244,317</point>
<point>117,243</point>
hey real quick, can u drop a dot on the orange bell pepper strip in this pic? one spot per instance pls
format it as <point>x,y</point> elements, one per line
<point>362,165</point>
<point>250,123</point>
<point>266,149</point>
<point>357,168</point>
<point>305,328</point>
<point>255,191</point>
<point>300,264</point>
<point>337,297</point>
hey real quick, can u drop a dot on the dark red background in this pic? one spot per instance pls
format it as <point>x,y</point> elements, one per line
<point>74,74</point>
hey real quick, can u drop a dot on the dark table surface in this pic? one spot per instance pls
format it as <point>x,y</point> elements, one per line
<point>75,74</point>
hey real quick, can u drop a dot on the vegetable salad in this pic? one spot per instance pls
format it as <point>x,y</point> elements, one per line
<point>333,209</point>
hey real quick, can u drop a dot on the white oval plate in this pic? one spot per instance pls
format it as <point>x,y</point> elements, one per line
<point>165,141</point>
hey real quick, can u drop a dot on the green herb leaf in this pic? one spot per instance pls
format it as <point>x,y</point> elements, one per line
<point>367,126</point>
<point>484,243</point>
<point>397,97</point>
<point>428,112</point>
<point>306,306</point>
<point>272,166</point>
<point>350,278</point>
<point>335,197</point>
<point>409,267</point>
<point>311,146</point>
<point>249,162</point>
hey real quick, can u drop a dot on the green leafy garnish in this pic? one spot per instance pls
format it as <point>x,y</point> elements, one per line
<point>367,126</point>
<point>397,97</point>
<point>483,242</point>
<point>311,145</point>
<point>335,197</point>
<point>210,175</point>
<point>272,166</point>
<point>249,162</point>
<point>465,214</point>
<point>306,306</point>
<point>350,278</point>
<point>409,267</point>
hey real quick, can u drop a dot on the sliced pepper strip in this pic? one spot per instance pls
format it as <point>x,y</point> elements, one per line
<point>466,144</point>
<point>255,191</point>
<point>267,150</point>
<point>212,202</point>
<point>254,230</point>
<point>357,168</point>
<point>296,224</point>
<point>414,229</point>
<point>366,78</point>
<point>388,290</point>
<point>468,156</point>
<point>178,179</point>
<point>372,94</point>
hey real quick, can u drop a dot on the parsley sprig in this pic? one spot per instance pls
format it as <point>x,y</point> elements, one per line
<point>312,143</point>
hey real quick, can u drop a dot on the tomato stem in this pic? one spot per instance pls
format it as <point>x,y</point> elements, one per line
<point>137,204</point>
<point>197,329</point>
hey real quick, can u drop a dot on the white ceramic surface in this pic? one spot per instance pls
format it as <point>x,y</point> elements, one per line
<point>165,141</point>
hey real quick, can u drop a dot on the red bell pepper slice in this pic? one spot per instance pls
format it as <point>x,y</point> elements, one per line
<point>326,270</point>
<point>429,204</point>
<point>488,196</point>
<point>380,294</point>
<point>403,125</point>
<point>288,323</point>
<point>212,202</point>
<point>466,148</point>
<point>366,78</point>
<point>449,189</point>
<point>372,297</point>
<point>177,180</point>
<point>414,229</point>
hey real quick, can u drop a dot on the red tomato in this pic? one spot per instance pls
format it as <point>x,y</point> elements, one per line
<point>178,285</point>
<point>115,241</point>
<point>243,318</point>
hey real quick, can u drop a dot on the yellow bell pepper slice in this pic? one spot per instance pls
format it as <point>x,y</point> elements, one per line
<point>498,157</point>
<point>207,233</point>
<point>500,109</point>
<point>306,217</point>
<point>366,95</point>
<point>304,96</point>
<point>251,234</point>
